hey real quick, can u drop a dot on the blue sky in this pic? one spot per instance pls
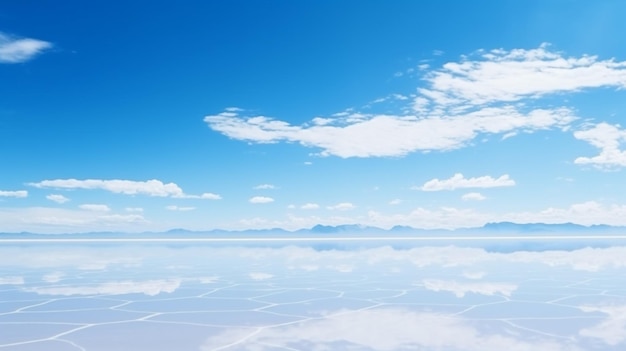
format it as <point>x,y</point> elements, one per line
<point>238,115</point>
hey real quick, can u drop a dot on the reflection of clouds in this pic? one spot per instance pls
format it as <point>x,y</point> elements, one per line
<point>260,276</point>
<point>11,280</point>
<point>99,257</point>
<point>207,280</point>
<point>148,287</point>
<point>94,257</point>
<point>613,329</point>
<point>380,330</point>
<point>342,268</point>
<point>474,275</point>
<point>460,289</point>
<point>53,277</point>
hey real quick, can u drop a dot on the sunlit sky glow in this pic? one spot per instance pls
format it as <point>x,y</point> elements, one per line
<point>239,115</point>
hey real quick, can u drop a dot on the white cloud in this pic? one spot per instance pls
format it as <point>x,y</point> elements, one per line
<point>129,187</point>
<point>208,196</point>
<point>18,193</point>
<point>178,208</point>
<point>395,202</point>
<point>310,206</point>
<point>264,187</point>
<point>148,287</point>
<point>506,76</point>
<point>343,206</point>
<point>608,139</point>
<point>260,200</point>
<point>458,181</point>
<point>134,209</point>
<point>390,135</point>
<point>381,329</point>
<point>489,92</point>
<point>60,199</point>
<point>95,207</point>
<point>17,50</point>
<point>473,196</point>
<point>460,289</point>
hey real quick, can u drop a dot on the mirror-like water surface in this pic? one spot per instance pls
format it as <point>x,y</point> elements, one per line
<point>310,296</point>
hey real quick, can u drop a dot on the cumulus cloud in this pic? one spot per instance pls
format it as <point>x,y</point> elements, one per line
<point>95,207</point>
<point>129,187</point>
<point>473,197</point>
<point>134,209</point>
<point>608,139</point>
<point>178,208</point>
<point>260,200</point>
<point>60,199</point>
<point>17,50</point>
<point>310,206</point>
<point>458,181</point>
<point>18,193</point>
<point>343,206</point>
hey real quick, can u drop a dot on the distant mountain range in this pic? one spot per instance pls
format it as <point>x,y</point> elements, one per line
<point>357,230</point>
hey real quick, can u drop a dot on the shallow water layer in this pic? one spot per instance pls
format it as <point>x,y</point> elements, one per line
<point>311,295</point>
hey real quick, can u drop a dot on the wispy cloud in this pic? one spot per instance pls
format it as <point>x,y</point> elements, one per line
<point>512,75</point>
<point>264,187</point>
<point>458,181</point>
<point>18,193</point>
<point>260,200</point>
<point>343,206</point>
<point>60,199</point>
<point>179,208</point>
<point>310,206</point>
<point>60,220</point>
<point>129,187</point>
<point>17,50</point>
<point>473,197</point>
<point>370,135</point>
<point>95,207</point>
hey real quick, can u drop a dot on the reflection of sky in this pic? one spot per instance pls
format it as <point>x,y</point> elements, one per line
<point>202,296</point>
